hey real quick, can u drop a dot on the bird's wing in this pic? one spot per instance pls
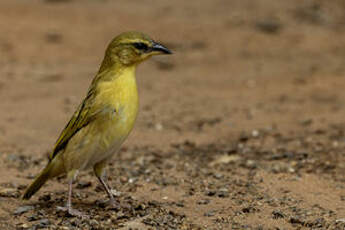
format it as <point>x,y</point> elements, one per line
<point>85,114</point>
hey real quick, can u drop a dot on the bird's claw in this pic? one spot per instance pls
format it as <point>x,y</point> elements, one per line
<point>114,204</point>
<point>73,212</point>
<point>117,205</point>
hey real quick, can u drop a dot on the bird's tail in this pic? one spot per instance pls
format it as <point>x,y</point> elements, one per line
<point>38,182</point>
<point>54,168</point>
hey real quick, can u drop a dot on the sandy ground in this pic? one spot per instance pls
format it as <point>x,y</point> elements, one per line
<point>242,128</point>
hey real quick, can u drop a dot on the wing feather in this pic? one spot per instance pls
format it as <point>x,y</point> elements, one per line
<point>85,114</point>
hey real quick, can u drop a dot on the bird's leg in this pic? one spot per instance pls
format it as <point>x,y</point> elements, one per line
<point>113,202</point>
<point>71,211</point>
<point>99,170</point>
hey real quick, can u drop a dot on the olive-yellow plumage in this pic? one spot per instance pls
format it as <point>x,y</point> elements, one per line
<point>104,119</point>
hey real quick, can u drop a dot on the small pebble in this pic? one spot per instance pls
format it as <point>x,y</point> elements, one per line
<point>342,220</point>
<point>24,226</point>
<point>204,201</point>
<point>223,192</point>
<point>23,209</point>
<point>210,193</point>
<point>33,217</point>
<point>251,164</point>
<point>9,192</point>
<point>255,133</point>
<point>44,222</point>
<point>116,193</point>
<point>210,213</point>
<point>83,184</point>
<point>94,223</point>
<point>158,126</point>
<point>277,214</point>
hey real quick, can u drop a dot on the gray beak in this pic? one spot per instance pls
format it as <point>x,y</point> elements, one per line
<point>160,48</point>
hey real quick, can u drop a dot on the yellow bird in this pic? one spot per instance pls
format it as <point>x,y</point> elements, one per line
<point>105,117</point>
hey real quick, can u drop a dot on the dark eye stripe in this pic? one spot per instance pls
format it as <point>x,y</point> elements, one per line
<point>140,46</point>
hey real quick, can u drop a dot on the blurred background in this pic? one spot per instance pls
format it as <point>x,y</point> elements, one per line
<point>248,80</point>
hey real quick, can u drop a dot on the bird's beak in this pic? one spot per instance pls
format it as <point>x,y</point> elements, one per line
<point>160,49</point>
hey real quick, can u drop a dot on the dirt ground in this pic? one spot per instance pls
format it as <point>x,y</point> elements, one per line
<point>242,128</point>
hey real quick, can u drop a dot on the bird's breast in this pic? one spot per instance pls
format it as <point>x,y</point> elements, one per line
<point>120,98</point>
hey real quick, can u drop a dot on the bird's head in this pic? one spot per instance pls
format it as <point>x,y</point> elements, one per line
<point>131,48</point>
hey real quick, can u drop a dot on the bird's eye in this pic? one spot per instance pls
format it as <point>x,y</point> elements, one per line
<point>141,46</point>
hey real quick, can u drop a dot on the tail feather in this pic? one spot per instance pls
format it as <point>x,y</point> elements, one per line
<point>38,182</point>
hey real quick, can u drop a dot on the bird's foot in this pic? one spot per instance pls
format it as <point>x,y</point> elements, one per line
<point>73,212</point>
<point>114,204</point>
